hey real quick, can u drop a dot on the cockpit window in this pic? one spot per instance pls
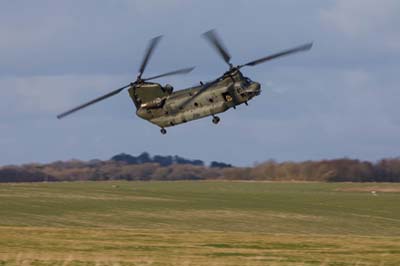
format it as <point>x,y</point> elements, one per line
<point>248,80</point>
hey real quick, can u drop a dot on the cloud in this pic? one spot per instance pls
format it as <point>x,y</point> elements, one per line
<point>49,95</point>
<point>372,20</point>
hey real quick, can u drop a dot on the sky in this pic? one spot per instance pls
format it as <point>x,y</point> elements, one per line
<point>341,99</point>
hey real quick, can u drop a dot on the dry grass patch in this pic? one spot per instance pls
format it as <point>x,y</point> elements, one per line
<point>70,247</point>
<point>371,189</point>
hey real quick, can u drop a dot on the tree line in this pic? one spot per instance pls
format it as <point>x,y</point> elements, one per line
<point>145,167</point>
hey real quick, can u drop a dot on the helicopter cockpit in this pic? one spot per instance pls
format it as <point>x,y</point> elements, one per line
<point>168,88</point>
<point>248,80</point>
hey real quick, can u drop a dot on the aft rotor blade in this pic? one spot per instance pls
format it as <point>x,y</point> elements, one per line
<point>304,47</point>
<point>175,72</point>
<point>150,48</point>
<point>213,38</point>
<point>203,89</point>
<point>92,102</point>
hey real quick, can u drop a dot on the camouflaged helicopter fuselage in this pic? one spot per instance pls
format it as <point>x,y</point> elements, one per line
<point>163,109</point>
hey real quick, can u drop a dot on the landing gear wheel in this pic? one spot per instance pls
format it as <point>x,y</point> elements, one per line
<point>163,131</point>
<point>215,119</point>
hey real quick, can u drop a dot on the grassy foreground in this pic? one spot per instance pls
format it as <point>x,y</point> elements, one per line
<point>199,223</point>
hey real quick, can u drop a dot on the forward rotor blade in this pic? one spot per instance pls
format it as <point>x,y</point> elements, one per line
<point>150,48</point>
<point>301,48</point>
<point>213,38</point>
<point>92,102</point>
<point>175,72</point>
<point>203,89</point>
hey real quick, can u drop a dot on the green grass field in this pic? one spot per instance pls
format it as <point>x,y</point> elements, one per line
<point>199,223</point>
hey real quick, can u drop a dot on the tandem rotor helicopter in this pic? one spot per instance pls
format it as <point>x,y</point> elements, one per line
<point>163,107</point>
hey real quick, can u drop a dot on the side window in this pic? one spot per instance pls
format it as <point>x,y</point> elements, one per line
<point>227,97</point>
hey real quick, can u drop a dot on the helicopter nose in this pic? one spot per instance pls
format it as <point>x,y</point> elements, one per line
<point>255,88</point>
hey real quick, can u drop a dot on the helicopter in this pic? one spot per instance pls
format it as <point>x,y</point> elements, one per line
<point>163,107</point>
